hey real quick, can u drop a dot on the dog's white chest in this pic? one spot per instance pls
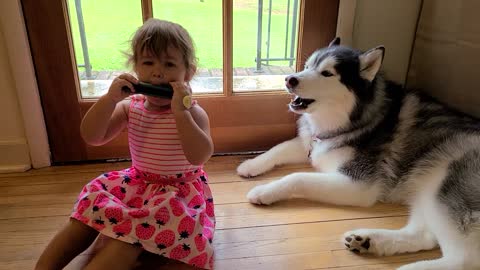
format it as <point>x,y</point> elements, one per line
<point>329,160</point>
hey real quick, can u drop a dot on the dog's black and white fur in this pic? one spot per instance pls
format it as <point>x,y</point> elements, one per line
<point>371,140</point>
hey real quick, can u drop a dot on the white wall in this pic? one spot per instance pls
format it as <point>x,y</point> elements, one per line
<point>14,153</point>
<point>23,138</point>
<point>445,61</point>
<point>391,23</point>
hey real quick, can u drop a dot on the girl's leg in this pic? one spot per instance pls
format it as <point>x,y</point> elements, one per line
<point>116,255</point>
<point>148,261</point>
<point>74,238</point>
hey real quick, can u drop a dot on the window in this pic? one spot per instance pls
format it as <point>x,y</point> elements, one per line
<point>243,95</point>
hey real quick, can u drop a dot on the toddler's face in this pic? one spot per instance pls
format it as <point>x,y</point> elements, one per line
<point>168,67</point>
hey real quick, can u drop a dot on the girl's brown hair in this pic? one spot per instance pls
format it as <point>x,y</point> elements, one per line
<point>155,36</point>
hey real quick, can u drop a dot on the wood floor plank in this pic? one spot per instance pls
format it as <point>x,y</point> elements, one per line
<point>71,169</point>
<point>294,234</point>
<point>47,179</point>
<point>297,211</point>
<point>226,176</point>
<point>231,204</point>
<point>318,260</point>
<point>234,215</point>
<point>216,163</point>
<point>227,192</point>
<point>233,243</point>
<point>225,265</point>
<point>390,266</point>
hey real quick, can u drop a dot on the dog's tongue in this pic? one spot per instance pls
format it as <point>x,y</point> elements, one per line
<point>301,102</point>
<point>296,100</point>
<point>293,98</point>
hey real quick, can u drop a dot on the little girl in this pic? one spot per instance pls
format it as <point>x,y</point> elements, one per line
<point>163,203</point>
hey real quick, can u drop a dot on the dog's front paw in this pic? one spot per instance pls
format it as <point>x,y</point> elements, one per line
<point>357,242</point>
<point>251,168</point>
<point>262,194</point>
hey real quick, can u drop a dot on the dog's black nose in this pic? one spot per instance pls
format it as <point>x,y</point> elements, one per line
<point>291,81</point>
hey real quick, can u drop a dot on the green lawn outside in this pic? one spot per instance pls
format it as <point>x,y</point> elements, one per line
<point>109,25</point>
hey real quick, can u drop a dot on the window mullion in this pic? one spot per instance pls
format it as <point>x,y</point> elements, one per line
<point>227,26</point>
<point>147,10</point>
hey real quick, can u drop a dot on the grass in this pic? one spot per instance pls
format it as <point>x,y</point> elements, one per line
<point>110,24</point>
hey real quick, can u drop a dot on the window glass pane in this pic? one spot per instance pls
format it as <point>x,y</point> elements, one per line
<point>203,20</point>
<point>264,43</point>
<point>101,32</point>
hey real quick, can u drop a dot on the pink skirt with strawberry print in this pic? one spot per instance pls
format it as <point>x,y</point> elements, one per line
<point>171,216</point>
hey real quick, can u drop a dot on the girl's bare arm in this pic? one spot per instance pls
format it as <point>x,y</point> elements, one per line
<point>104,121</point>
<point>194,131</point>
<point>109,115</point>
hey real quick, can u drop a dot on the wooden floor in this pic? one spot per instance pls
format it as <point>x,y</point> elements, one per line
<point>289,235</point>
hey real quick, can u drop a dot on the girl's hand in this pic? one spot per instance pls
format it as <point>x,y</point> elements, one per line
<point>115,92</point>
<point>180,91</point>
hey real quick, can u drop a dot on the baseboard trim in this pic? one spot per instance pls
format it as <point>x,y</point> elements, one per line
<point>15,156</point>
<point>14,168</point>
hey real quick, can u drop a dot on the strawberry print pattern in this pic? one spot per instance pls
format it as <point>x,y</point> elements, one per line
<point>172,217</point>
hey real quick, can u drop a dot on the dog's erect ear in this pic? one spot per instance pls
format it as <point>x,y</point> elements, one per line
<point>334,42</point>
<point>370,62</point>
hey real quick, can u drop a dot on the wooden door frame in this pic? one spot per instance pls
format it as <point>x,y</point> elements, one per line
<point>235,127</point>
<point>56,72</point>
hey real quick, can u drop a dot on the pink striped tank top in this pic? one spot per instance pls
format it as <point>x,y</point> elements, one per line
<point>153,141</point>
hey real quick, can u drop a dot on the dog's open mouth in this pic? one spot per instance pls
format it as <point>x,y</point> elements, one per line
<point>299,103</point>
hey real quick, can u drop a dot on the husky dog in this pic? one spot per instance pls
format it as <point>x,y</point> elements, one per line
<point>371,140</point>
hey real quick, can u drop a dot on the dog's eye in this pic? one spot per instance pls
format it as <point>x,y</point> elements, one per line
<point>305,67</point>
<point>326,73</point>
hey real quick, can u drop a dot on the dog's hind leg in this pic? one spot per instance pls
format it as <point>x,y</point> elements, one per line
<point>438,264</point>
<point>460,245</point>
<point>450,210</point>
<point>331,188</point>
<point>411,238</point>
<point>460,251</point>
<point>292,151</point>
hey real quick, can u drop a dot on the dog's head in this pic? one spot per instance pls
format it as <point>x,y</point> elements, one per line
<point>334,80</point>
